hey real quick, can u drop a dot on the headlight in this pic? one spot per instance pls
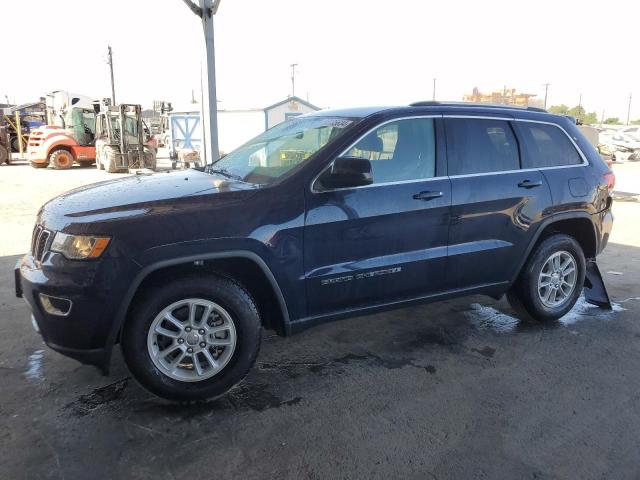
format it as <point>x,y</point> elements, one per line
<point>77,247</point>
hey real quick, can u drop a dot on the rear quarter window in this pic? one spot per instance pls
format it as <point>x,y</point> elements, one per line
<point>547,145</point>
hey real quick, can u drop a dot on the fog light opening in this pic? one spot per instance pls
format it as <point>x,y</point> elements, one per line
<point>55,305</point>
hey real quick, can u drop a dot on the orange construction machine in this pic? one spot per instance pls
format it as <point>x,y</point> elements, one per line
<point>69,134</point>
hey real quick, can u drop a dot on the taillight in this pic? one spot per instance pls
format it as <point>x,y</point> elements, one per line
<point>610,177</point>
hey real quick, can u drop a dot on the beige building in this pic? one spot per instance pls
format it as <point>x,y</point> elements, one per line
<point>504,96</point>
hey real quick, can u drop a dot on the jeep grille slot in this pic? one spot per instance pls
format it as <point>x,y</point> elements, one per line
<point>39,242</point>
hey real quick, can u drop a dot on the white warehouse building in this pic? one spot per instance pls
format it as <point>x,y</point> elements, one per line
<point>235,126</point>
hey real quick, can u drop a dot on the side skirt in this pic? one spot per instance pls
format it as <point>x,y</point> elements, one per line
<point>491,289</point>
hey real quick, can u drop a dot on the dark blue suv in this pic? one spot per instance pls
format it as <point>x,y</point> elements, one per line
<point>330,215</point>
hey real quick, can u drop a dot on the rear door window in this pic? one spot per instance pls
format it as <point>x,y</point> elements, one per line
<point>546,145</point>
<point>477,145</point>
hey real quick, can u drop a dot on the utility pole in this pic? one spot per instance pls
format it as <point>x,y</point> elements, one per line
<point>206,10</point>
<point>629,110</point>
<point>546,92</point>
<point>434,89</point>
<point>110,63</point>
<point>293,79</point>
<point>580,101</point>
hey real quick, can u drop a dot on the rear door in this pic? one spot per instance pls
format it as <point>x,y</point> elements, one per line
<point>496,205</point>
<point>386,241</point>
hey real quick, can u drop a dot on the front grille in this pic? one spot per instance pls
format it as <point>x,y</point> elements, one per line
<point>39,242</point>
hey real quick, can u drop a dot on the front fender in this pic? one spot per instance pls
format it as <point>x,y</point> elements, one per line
<point>57,141</point>
<point>158,264</point>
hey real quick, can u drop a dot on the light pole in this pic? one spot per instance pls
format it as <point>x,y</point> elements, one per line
<point>546,92</point>
<point>110,62</point>
<point>206,11</point>
<point>629,110</point>
<point>293,79</point>
<point>434,89</point>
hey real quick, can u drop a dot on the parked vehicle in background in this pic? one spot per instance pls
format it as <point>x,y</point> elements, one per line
<point>619,146</point>
<point>329,215</point>
<point>68,136</point>
<point>633,130</point>
<point>120,139</point>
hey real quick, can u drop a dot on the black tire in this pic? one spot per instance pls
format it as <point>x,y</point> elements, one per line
<point>15,144</point>
<point>39,165</point>
<point>524,296</point>
<point>4,155</point>
<point>111,156</point>
<point>223,291</point>
<point>150,159</point>
<point>61,159</point>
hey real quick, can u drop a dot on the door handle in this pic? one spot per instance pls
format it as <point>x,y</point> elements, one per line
<point>530,184</point>
<point>426,196</point>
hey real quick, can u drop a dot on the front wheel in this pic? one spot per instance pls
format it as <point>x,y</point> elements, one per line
<point>551,280</point>
<point>192,338</point>
<point>61,159</point>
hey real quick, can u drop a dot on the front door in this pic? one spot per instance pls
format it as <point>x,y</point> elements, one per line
<point>496,205</point>
<point>386,241</point>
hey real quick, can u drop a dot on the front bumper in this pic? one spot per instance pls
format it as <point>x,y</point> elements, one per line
<point>94,290</point>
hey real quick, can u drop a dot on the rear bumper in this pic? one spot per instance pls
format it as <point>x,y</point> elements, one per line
<point>605,224</point>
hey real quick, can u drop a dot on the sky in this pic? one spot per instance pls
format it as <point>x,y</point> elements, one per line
<point>349,52</point>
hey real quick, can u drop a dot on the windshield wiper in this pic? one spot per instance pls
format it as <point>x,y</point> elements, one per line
<point>225,173</point>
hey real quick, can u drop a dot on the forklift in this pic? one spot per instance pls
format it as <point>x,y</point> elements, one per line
<point>120,139</point>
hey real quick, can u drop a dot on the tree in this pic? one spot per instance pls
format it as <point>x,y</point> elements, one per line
<point>590,118</point>
<point>612,121</point>
<point>561,109</point>
<point>635,122</point>
<point>580,114</point>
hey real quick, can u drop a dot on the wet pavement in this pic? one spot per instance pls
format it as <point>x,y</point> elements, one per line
<point>457,389</point>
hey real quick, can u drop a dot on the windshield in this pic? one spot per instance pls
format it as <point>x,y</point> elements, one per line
<point>272,154</point>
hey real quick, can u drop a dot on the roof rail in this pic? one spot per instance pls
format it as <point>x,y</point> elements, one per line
<point>431,103</point>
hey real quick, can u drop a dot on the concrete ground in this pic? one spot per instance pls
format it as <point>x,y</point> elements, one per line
<point>458,389</point>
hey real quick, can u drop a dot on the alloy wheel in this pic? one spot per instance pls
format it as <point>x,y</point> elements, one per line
<point>192,339</point>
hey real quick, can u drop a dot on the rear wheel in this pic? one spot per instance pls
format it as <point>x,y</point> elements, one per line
<point>61,159</point>
<point>150,159</point>
<point>4,155</point>
<point>551,280</point>
<point>111,158</point>
<point>192,338</point>
<point>15,144</point>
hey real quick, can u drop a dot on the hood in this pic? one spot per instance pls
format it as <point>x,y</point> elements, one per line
<point>143,194</point>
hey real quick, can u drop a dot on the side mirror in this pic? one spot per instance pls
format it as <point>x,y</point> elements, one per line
<point>346,172</point>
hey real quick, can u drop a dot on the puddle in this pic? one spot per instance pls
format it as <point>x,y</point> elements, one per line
<point>583,310</point>
<point>98,397</point>
<point>34,366</point>
<point>484,317</point>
